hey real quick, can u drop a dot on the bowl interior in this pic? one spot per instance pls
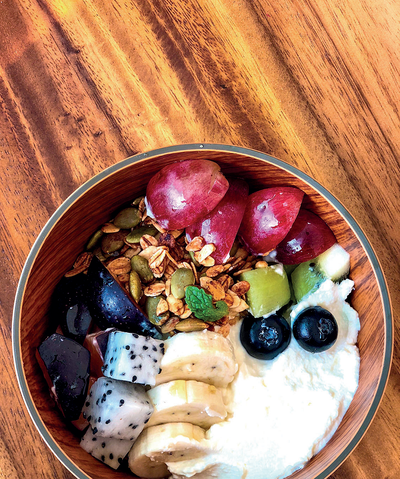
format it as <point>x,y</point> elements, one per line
<point>82,215</point>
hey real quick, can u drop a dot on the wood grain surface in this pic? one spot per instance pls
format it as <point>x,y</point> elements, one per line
<point>84,84</point>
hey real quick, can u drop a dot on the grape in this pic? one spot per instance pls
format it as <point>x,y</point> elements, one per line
<point>268,217</point>
<point>221,225</point>
<point>308,238</point>
<point>182,193</point>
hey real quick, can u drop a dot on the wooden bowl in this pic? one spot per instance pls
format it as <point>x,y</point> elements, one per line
<point>66,234</point>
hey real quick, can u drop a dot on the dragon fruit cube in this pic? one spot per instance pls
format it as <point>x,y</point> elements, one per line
<point>117,409</point>
<point>133,358</point>
<point>109,450</point>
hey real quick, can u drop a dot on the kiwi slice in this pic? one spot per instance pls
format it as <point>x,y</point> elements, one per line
<point>333,264</point>
<point>305,279</point>
<point>269,289</point>
<point>289,268</point>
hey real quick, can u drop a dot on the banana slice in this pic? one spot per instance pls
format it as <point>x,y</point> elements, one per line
<point>185,469</point>
<point>187,401</point>
<point>167,442</point>
<point>201,356</point>
<point>143,466</point>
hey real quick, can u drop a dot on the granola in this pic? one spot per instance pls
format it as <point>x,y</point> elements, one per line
<point>163,253</point>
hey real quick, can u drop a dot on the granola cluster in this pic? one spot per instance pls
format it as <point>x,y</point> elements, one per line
<point>144,258</point>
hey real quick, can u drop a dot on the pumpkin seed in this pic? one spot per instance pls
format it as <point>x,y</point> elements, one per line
<point>151,310</point>
<point>135,235</point>
<point>127,218</point>
<point>135,286</point>
<point>234,248</point>
<point>110,228</point>
<point>97,252</point>
<point>196,263</point>
<point>94,240</point>
<point>137,201</point>
<point>169,325</point>
<point>191,324</point>
<point>179,280</point>
<point>141,266</point>
<point>112,242</point>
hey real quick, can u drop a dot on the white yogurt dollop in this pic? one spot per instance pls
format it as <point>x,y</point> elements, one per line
<point>282,412</point>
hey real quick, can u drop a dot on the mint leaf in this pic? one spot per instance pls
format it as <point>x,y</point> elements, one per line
<point>200,303</point>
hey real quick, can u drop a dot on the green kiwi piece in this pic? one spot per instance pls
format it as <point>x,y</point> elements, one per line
<point>333,264</point>
<point>269,289</point>
<point>306,279</point>
<point>289,268</point>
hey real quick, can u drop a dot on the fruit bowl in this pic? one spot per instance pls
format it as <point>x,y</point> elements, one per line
<point>66,234</point>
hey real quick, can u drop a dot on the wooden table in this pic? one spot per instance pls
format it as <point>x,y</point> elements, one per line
<point>84,84</point>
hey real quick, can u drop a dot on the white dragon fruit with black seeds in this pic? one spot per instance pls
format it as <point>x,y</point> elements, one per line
<point>134,358</point>
<point>117,409</point>
<point>109,450</point>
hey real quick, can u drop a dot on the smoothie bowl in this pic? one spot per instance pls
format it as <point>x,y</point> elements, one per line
<point>239,382</point>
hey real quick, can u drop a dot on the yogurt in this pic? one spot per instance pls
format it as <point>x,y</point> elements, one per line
<point>284,411</point>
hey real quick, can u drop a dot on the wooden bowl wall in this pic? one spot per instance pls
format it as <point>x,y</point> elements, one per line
<point>66,235</point>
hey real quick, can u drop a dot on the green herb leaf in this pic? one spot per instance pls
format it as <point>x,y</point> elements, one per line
<point>200,303</point>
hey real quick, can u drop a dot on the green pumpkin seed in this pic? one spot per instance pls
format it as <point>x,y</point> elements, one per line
<point>94,240</point>
<point>196,263</point>
<point>141,266</point>
<point>190,324</point>
<point>97,252</point>
<point>179,280</point>
<point>135,235</point>
<point>135,286</point>
<point>112,242</point>
<point>151,310</point>
<point>137,201</point>
<point>234,248</point>
<point>127,218</point>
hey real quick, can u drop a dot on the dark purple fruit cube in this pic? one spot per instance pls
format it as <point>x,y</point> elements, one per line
<point>96,344</point>
<point>69,307</point>
<point>110,305</point>
<point>102,340</point>
<point>66,363</point>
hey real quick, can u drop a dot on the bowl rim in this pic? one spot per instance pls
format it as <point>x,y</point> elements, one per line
<point>41,427</point>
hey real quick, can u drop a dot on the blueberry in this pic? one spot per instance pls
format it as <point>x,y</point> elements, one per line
<point>315,329</point>
<point>265,338</point>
